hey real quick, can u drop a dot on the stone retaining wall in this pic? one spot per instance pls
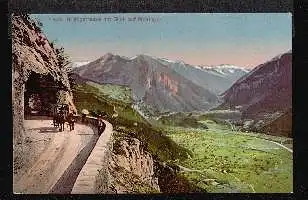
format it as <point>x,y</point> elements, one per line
<point>94,176</point>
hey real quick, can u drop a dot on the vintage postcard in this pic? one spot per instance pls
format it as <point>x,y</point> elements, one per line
<point>152,103</point>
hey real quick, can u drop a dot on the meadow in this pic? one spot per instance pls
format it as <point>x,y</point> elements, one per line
<point>232,161</point>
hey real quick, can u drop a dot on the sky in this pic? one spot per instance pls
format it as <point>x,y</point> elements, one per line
<point>245,40</point>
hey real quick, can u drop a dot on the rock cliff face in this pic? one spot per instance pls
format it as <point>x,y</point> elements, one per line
<point>35,73</point>
<point>264,96</point>
<point>153,84</point>
<point>132,169</point>
<point>266,89</point>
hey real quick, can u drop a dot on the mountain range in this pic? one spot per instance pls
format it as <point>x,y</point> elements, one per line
<point>153,83</point>
<point>217,78</point>
<point>161,85</point>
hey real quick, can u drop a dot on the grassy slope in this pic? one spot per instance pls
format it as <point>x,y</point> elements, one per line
<point>180,119</point>
<point>234,161</point>
<point>101,97</point>
<point>94,97</point>
<point>115,92</point>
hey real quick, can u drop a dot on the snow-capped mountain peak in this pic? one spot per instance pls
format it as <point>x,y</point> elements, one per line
<point>229,67</point>
<point>78,64</point>
<point>132,58</point>
<point>167,60</point>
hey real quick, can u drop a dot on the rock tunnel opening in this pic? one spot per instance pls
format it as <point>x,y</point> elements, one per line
<point>41,94</point>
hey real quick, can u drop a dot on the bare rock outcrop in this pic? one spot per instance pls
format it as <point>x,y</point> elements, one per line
<point>132,168</point>
<point>34,56</point>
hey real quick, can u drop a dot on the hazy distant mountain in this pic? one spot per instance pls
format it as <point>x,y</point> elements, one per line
<point>231,72</point>
<point>78,64</point>
<point>214,78</point>
<point>153,83</point>
<point>265,93</point>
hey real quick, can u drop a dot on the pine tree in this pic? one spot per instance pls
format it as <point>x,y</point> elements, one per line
<point>64,63</point>
<point>63,60</point>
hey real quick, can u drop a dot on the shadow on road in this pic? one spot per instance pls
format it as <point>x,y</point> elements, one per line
<point>66,182</point>
<point>37,117</point>
<point>46,129</point>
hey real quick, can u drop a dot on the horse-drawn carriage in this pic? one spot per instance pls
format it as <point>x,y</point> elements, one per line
<point>61,115</point>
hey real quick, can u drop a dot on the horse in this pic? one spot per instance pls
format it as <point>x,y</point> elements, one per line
<point>70,120</point>
<point>55,120</point>
<point>61,116</point>
<point>61,120</point>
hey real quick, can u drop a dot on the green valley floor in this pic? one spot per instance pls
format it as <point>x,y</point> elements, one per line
<point>233,161</point>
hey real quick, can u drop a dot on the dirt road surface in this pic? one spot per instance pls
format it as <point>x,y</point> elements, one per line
<point>57,156</point>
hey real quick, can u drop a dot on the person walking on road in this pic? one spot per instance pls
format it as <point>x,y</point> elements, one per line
<point>71,121</point>
<point>84,113</point>
<point>101,125</point>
